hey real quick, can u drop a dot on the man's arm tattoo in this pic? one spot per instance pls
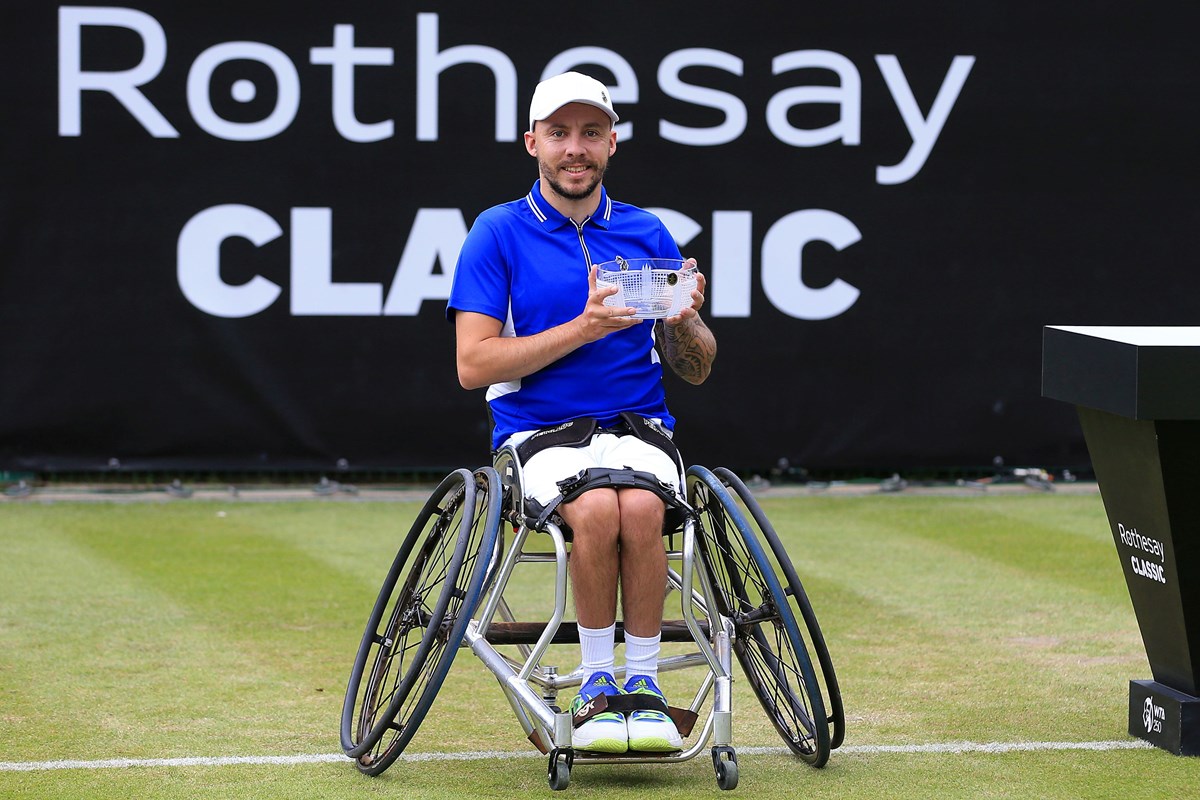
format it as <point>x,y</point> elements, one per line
<point>689,349</point>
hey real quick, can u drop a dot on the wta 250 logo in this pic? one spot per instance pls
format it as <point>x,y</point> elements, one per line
<point>1153,716</point>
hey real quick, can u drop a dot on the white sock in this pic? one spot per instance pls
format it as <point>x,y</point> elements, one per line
<point>641,655</point>
<point>596,646</point>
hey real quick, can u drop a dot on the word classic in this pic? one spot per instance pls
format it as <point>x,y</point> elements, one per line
<point>344,57</point>
<point>437,235</point>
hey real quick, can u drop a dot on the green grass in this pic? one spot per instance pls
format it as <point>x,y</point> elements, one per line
<point>198,628</point>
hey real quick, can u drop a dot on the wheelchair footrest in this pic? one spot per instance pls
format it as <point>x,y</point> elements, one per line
<point>673,630</point>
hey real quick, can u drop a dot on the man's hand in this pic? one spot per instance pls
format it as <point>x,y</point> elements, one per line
<point>697,297</point>
<point>598,320</point>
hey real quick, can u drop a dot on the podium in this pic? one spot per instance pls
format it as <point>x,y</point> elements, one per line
<point>1137,390</point>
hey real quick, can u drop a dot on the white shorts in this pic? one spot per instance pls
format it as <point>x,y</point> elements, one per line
<point>544,470</point>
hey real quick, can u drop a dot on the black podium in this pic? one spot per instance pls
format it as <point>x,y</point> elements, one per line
<point>1138,395</point>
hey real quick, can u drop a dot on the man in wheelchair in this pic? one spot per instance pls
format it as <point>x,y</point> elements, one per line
<point>576,386</point>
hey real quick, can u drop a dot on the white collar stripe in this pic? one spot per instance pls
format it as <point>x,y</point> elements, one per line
<point>533,206</point>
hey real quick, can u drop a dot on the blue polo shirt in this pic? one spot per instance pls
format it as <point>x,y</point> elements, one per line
<point>527,265</point>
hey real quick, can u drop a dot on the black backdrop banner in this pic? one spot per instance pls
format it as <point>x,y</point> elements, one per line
<point>229,229</point>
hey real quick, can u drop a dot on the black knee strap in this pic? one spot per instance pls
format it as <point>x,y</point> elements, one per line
<point>600,478</point>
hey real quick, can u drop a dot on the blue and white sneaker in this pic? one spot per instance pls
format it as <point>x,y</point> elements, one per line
<point>650,731</point>
<point>605,732</point>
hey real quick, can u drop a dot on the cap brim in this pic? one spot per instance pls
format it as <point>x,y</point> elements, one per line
<point>612,115</point>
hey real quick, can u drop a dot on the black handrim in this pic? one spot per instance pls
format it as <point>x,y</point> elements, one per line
<point>394,641</point>
<point>768,643</point>
<point>799,597</point>
<point>410,654</point>
<point>473,555</point>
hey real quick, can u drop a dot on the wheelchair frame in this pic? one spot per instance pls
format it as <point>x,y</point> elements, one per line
<point>739,596</point>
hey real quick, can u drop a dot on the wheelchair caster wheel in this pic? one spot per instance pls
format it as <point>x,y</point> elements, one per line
<point>727,775</point>
<point>725,764</point>
<point>559,772</point>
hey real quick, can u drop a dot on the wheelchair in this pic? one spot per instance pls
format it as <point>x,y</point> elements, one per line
<point>734,585</point>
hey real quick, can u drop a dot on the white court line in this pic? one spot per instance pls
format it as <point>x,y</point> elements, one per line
<point>320,758</point>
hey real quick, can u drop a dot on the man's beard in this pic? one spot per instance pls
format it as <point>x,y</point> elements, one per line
<point>548,176</point>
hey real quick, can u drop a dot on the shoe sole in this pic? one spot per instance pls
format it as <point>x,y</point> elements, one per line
<point>610,746</point>
<point>649,744</point>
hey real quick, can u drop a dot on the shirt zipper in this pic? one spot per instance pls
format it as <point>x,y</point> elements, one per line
<point>582,244</point>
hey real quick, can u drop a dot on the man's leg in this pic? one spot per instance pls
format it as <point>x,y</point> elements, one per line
<point>643,561</point>
<point>594,566</point>
<point>643,585</point>
<point>619,532</point>
<point>595,521</point>
<point>643,557</point>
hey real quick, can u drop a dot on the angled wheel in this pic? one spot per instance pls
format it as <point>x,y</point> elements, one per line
<point>797,597</point>
<point>767,639</point>
<point>559,772</point>
<point>420,617</point>
<point>725,764</point>
<point>560,778</point>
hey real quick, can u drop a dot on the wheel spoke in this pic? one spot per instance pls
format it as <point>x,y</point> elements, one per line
<point>432,597</point>
<point>768,642</point>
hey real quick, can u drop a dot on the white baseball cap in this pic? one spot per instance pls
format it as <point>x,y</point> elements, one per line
<point>569,87</point>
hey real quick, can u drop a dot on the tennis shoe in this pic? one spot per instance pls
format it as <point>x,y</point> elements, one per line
<point>650,731</point>
<point>605,732</point>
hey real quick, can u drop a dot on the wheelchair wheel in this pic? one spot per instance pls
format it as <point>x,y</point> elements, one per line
<point>420,618</point>
<point>767,639</point>
<point>798,598</point>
